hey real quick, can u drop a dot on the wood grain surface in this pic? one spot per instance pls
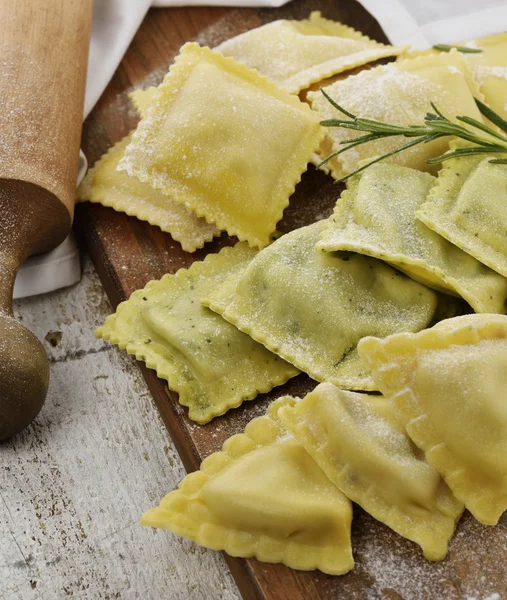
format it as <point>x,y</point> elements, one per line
<point>128,253</point>
<point>74,483</point>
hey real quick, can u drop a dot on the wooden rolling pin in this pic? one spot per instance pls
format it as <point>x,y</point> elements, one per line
<point>43,58</point>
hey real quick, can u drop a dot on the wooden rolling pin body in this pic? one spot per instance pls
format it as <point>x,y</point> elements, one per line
<point>44,54</point>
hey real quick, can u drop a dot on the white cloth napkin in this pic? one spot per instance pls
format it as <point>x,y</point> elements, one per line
<point>115,22</point>
<point>423,23</point>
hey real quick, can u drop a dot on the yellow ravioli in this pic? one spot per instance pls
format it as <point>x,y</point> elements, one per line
<point>142,99</point>
<point>225,142</point>
<point>105,185</point>
<point>467,206</point>
<point>398,93</point>
<point>295,54</point>
<point>210,363</point>
<point>357,441</point>
<point>311,308</point>
<point>448,386</point>
<point>489,68</point>
<point>263,496</point>
<point>376,217</point>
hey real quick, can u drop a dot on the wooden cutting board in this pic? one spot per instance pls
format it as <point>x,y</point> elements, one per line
<point>128,253</point>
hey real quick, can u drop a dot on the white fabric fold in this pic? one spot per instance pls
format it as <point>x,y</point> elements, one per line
<point>425,23</point>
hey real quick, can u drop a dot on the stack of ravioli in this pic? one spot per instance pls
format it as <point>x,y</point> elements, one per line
<point>364,301</point>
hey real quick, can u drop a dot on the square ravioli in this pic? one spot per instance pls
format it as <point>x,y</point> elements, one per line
<point>105,185</point>
<point>263,496</point>
<point>358,442</point>
<point>225,142</point>
<point>489,68</point>
<point>467,207</point>
<point>400,94</point>
<point>312,308</point>
<point>208,362</point>
<point>448,387</point>
<point>376,216</point>
<point>295,54</point>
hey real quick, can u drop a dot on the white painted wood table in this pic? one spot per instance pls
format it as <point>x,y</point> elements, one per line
<point>73,486</point>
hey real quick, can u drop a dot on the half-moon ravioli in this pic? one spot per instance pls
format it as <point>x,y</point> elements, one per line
<point>311,308</point>
<point>225,142</point>
<point>263,495</point>
<point>398,93</point>
<point>376,216</point>
<point>211,365</point>
<point>467,207</point>
<point>448,386</point>
<point>295,54</point>
<point>105,185</point>
<point>360,445</point>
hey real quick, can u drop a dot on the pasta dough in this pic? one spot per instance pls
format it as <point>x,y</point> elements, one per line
<point>105,185</point>
<point>212,365</point>
<point>311,308</point>
<point>376,217</point>
<point>263,496</point>
<point>142,99</point>
<point>490,70</point>
<point>357,441</point>
<point>225,142</point>
<point>467,207</point>
<point>448,386</point>
<point>295,54</point>
<point>400,94</point>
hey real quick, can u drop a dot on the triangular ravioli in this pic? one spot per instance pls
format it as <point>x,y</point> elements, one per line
<point>295,54</point>
<point>211,365</point>
<point>311,308</point>
<point>399,93</point>
<point>376,216</point>
<point>263,496</point>
<point>359,444</point>
<point>448,385</point>
<point>467,207</point>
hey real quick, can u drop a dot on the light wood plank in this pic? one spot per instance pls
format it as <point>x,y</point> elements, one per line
<point>73,486</point>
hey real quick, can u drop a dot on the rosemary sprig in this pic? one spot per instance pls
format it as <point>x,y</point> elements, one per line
<point>464,49</point>
<point>436,125</point>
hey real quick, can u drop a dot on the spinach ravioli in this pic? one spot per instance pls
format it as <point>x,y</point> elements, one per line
<point>376,216</point>
<point>211,365</point>
<point>312,308</point>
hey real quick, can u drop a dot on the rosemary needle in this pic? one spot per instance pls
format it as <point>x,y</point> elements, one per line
<point>436,125</point>
<point>464,49</point>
